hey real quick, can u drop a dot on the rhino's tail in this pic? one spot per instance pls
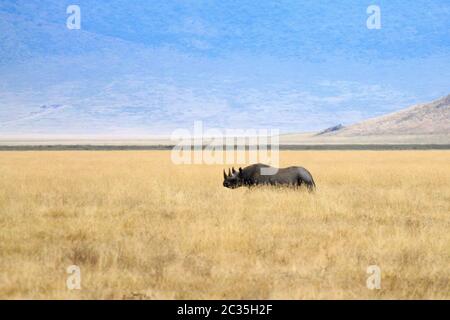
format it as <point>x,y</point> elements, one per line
<point>311,185</point>
<point>306,177</point>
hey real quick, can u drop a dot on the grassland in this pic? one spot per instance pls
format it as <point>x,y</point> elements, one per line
<point>139,226</point>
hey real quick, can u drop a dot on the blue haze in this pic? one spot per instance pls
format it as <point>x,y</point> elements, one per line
<point>149,67</point>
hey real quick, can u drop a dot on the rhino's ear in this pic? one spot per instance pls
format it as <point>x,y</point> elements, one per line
<point>240,170</point>
<point>229,172</point>
<point>224,174</point>
<point>234,171</point>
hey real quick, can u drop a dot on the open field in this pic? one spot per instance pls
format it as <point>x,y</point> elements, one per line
<point>139,226</point>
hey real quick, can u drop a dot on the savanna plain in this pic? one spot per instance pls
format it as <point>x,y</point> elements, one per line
<point>140,227</point>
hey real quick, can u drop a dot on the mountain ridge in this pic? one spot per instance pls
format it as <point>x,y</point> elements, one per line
<point>426,118</point>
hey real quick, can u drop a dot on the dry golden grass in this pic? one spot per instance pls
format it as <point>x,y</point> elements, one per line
<point>140,227</point>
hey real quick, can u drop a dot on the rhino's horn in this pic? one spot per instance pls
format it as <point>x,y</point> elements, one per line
<point>234,171</point>
<point>229,172</point>
<point>224,174</point>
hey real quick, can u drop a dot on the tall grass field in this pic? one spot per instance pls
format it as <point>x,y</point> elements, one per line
<point>140,227</point>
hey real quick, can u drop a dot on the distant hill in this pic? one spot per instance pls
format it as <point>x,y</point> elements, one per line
<point>423,124</point>
<point>424,119</point>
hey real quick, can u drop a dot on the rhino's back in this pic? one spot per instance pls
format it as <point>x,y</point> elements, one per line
<point>282,175</point>
<point>253,172</point>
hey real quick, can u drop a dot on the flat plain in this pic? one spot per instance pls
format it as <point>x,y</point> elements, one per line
<point>140,227</point>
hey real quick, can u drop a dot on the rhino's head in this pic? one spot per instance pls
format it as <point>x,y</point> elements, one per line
<point>233,179</point>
